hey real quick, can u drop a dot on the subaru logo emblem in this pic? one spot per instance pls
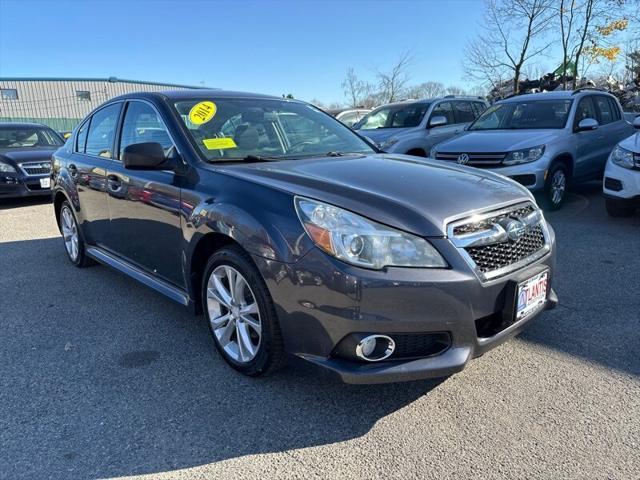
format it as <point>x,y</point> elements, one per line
<point>515,229</point>
<point>463,159</point>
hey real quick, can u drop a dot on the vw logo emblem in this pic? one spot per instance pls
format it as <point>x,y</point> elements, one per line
<point>463,159</point>
<point>515,229</point>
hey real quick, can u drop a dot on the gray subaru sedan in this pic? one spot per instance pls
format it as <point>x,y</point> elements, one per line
<point>294,236</point>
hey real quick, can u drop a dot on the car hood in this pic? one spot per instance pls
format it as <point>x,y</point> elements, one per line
<point>497,140</point>
<point>631,143</point>
<point>416,195</point>
<point>21,155</point>
<point>379,135</point>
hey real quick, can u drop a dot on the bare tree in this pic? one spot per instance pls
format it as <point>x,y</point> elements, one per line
<point>426,90</point>
<point>510,37</point>
<point>392,83</point>
<point>355,89</point>
<point>455,90</point>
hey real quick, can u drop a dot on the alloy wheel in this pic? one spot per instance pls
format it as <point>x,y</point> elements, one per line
<point>234,314</point>
<point>70,233</point>
<point>558,186</point>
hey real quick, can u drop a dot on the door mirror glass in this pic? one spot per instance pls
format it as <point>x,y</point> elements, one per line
<point>144,156</point>
<point>587,124</point>
<point>636,122</point>
<point>438,121</point>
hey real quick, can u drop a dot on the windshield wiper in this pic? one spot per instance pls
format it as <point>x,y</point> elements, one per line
<point>259,158</point>
<point>342,154</point>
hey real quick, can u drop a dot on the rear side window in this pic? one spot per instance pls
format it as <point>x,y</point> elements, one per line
<point>605,112</point>
<point>463,112</point>
<point>478,108</point>
<point>102,131</point>
<point>81,138</point>
<point>142,124</point>
<point>614,109</point>
<point>444,109</point>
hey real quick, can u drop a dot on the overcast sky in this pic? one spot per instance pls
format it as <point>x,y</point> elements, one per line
<point>275,47</point>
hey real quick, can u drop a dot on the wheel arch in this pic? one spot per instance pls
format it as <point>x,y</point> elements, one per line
<point>418,152</point>
<point>567,160</point>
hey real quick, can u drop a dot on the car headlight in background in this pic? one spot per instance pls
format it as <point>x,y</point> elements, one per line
<point>388,143</point>
<point>6,168</point>
<point>525,155</point>
<point>362,242</point>
<point>622,157</point>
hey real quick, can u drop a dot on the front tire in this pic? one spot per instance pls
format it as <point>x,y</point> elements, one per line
<point>72,236</point>
<point>240,313</point>
<point>617,208</point>
<point>555,188</point>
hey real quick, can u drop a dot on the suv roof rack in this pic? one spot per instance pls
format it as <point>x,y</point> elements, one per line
<point>578,90</point>
<point>464,96</point>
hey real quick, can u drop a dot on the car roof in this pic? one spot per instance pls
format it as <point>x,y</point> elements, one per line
<point>14,125</point>
<point>173,95</point>
<point>559,95</point>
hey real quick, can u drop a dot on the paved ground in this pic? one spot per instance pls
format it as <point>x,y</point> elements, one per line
<point>101,377</point>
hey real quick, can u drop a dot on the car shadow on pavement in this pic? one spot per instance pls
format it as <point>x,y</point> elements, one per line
<point>7,203</point>
<point>102,377</point>
<point>597,272</point>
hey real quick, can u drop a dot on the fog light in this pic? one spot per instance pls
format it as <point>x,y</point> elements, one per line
<point>375,348</point>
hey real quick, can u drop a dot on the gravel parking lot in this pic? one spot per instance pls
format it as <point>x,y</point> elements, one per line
<point>102,377</point>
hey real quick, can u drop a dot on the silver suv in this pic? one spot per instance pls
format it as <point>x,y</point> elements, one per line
<point>543,140</point>
<point>413,127</point>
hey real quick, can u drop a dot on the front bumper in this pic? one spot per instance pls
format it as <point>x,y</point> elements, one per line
<point>17,185</point>
<point>531,175</point>
<point>621,183</point>
<point>320,301</point>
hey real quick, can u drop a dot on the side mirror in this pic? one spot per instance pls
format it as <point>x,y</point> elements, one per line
<point>588,124</point>
<point>438,121</point>
<point>144,156</point>
<point>636,122</point>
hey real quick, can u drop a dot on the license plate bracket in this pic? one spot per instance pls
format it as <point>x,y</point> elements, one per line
<point>526,297</point>
<point>45,182</point>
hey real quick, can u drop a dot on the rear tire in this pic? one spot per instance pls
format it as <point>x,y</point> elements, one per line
<point>240,313</point>
<point>617,208</point>
<point>555,188</point>
<point>72,236</point>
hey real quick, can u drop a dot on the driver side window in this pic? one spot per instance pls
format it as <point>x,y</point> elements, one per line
<point>142,124</point>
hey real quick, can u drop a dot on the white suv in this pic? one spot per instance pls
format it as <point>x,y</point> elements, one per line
<point>621,184</point>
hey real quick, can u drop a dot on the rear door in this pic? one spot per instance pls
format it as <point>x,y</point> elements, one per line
<point>609,125</point>
<point>87,166</point>
<point>144,205</point>
<point>589,144</point>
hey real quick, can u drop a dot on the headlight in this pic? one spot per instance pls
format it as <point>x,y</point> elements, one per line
<point>433,152</point>
<point>6,168</point>
<point>362,242</point>
<point>524,156</point>
<point>622,157</point>
<point>387,143</point>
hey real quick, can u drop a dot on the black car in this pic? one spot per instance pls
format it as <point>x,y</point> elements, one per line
<point>294,235</point>
<point>25,159</point>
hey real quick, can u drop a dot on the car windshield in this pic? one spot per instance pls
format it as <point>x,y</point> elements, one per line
<point>394,116</point>
<point>28,137</point>
<point>232,129</point>
<point>524,115</point>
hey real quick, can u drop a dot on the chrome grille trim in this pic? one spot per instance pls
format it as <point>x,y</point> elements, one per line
<point>475,159</point>
<point>32,169</point>
<point>482,230</point>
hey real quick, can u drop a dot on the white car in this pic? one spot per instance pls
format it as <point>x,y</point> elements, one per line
<point>621,184</point>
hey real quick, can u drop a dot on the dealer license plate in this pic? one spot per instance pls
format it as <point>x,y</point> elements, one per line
<point>532,295</point>
<point>45,183</point>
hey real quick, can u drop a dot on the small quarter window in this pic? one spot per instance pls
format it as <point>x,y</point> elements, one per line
<point>81,138</point>
<point>83,95</point>
<point>9,93</point>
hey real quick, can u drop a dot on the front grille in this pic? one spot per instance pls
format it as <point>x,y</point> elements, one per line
<point>500,255</point>
<point>36,168</point>
<point>475,159</point>
<point>499,242</point>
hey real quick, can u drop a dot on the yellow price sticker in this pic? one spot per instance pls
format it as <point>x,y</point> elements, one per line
<point>219,143</point>
<point>202,112</point>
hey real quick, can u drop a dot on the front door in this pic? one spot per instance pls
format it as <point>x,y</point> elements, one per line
<point>144,205</point>
<point>443,132</point>
<point>589,143</point>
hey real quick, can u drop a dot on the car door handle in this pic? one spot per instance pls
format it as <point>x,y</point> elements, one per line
<point>114,183</point>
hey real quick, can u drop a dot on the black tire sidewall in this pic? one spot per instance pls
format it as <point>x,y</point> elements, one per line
<point>237,259</point>
<point>615,208</point>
